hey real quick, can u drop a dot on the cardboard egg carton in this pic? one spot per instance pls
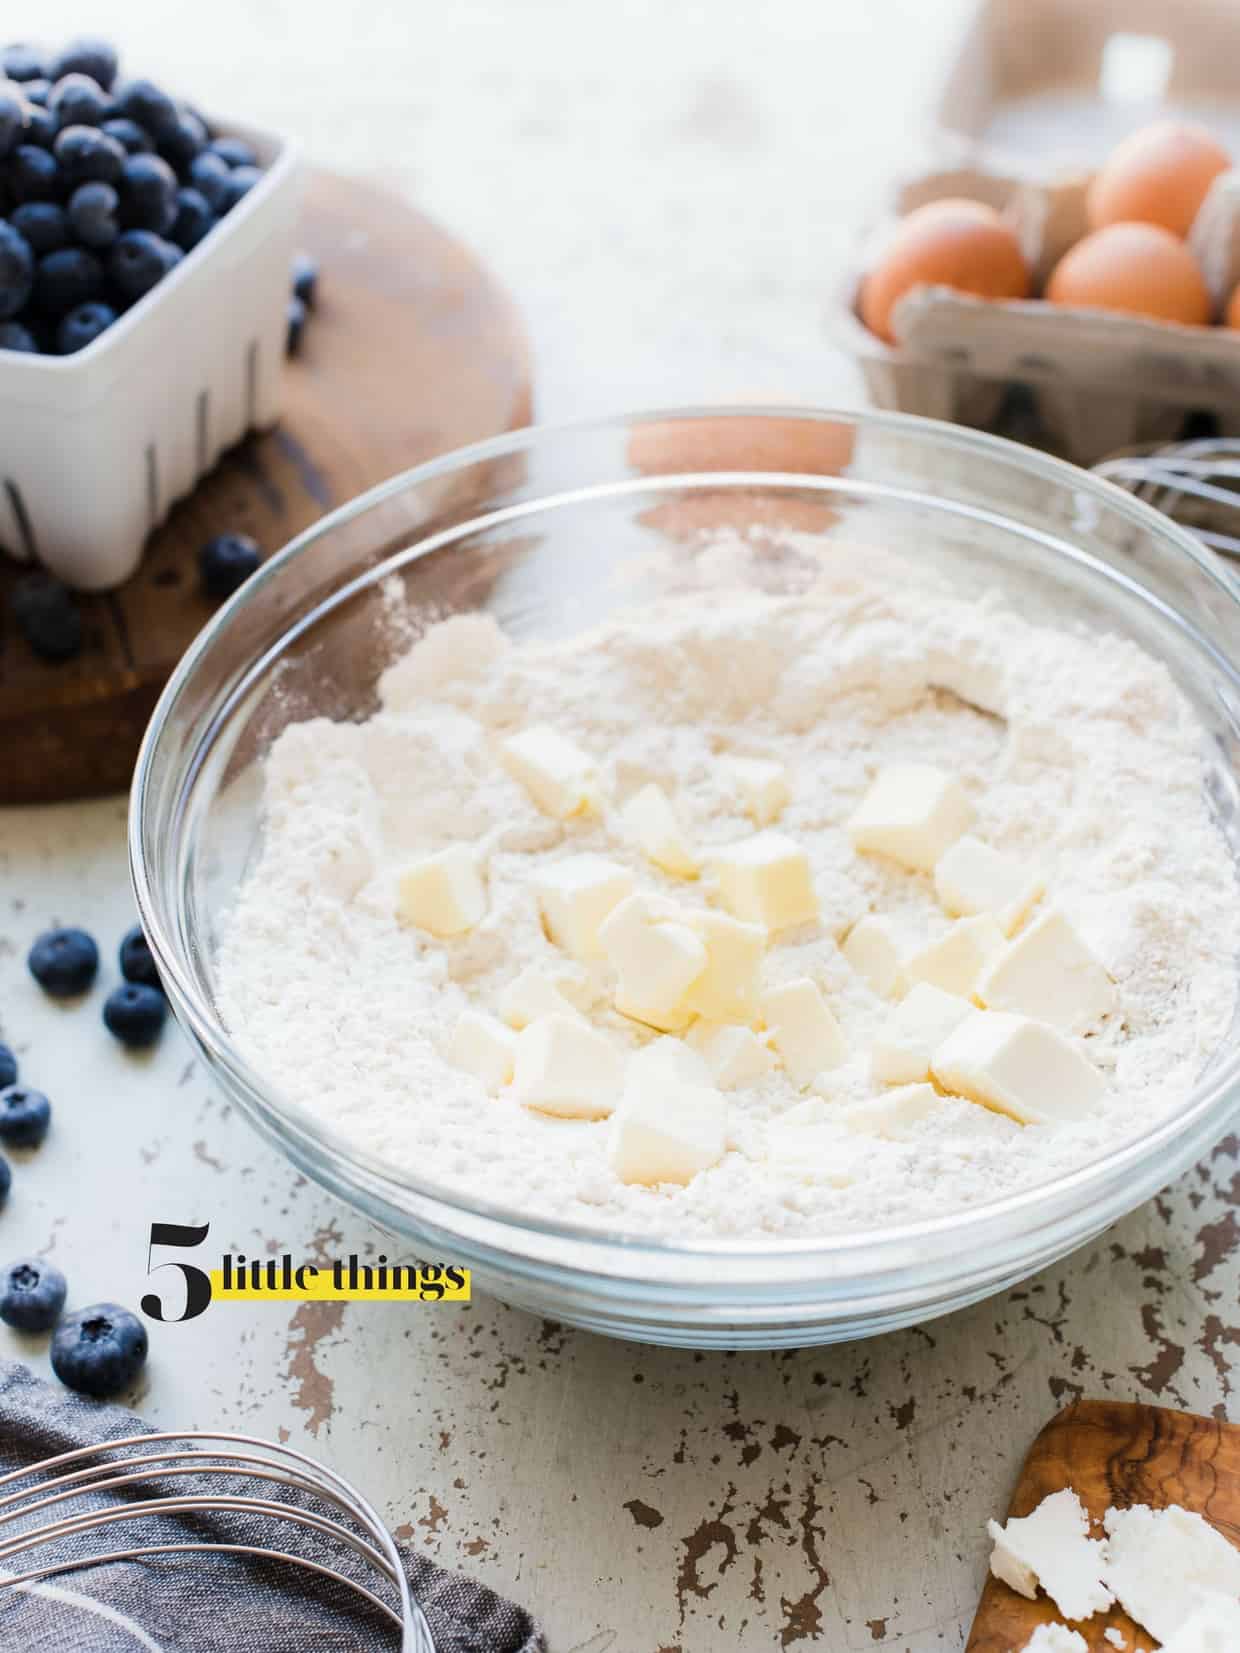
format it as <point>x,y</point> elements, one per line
<point>1026,115</point>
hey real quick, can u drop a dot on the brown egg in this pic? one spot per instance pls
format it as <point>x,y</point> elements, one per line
<point>1158,175</point>
<point>1139,269</point>
<point>948,243</point>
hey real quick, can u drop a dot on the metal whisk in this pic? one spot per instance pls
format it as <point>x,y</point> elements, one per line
<point>71,1478</point>
<point>1197,483</point>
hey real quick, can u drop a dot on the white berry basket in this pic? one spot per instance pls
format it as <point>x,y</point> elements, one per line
<point>95,448</point>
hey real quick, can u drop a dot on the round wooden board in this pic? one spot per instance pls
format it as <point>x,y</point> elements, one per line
<point>412,350</point>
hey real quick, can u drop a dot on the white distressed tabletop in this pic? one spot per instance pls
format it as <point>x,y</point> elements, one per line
<point>668,189</point>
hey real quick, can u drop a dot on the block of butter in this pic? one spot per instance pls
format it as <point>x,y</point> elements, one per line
<point>766,880</point>
<point>806,1036</point>
<point>669,1125</point>
<point>560,778</point>
<point>564,1067</point>
<point>576,895</point>
<point>1050,973</point>
<point>655,828</point>
<point>912,813</point>
<point>442,893</point>
<point>1019,1067</point>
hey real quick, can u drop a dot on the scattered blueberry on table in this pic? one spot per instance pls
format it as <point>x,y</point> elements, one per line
<point>226,563</point>
<point>46,612</point>
<point>25,1116</point>
<point>135,1014</point>
<point>296,325</point>
<point>100,1350</point>
<point>136,961</point>
<point>32,1295</point>
<point>8,1066</point>
<point>64,962</point>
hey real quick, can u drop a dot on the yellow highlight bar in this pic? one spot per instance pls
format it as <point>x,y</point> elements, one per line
<point>319,1285</point>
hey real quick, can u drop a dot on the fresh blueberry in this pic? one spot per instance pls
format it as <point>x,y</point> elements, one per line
<point>8,1066</point>
<point>16,271</point>
<point>136,1014</point>
<point>226,563</point>
<point>64,962</point>
<point>241,180</point>
<point>99,1351</point>
<point>129,135</point>
<point>48,617</point>
<point>24,1117</point>
<point>87,56</point>
<point>13,336</point>
<point>148,194</point>
<point>6,1178</point>
<point>208,174</point>
<point>14,116</point>
<point>194,218</point>
<point>41,127</point>
<point>295,326</point>
<point>84,325</point>
<point>234,152</point>
<point>33,173</point>
<point>306,279</point>
<point>92,212</point>
<point>138,261</point>
<point>32,1294</point>
<point>22,62</point>
<point>36,91</point>
<point>150,106</point>
<point>42,224</point>
<point>186,140</point>
<point>79,100</point>
<point>86,154</point>
<point>66,279</point>
<point>137,964</point>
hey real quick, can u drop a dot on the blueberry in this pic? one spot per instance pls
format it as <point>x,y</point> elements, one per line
<point>36,91</point>
<point>48,617</point>
<point>137,964</point>
<point>16,271</point>
<point>186,140</point>
<point>234,152</point>
<point>41,127</point>
<point>194,218</point>
<point>86,154</point>
<point>24,1117</point>
<point>79,100</point>
<point>306,279</point>
<point>151,107</point>
<point>226,563</point>
<point>14,115</point>
<point>32,1294</point>
<point>208,174</point>
<point>84,325</point>
<point>92,211</point>
<point>33,173</point>
<point>8,1066</point>
<point>13,336</point>
<point>131,137</point>
<point>99,1351</point>
<point>241,180</point>
<point>136,1014</point>
<point>42,224</point>
<point>138,261</point>
<point>87,56</point>
<point>67,278</point>
<point>22,62</point>
<point>295,326</point>
<point>148,194</point>
<point>64,962</point>
<point>6,1178</point>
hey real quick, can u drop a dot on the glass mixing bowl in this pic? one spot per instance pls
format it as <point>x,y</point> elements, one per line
<point>549,530</point>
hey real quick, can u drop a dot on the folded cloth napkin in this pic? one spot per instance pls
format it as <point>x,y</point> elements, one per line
<point>206,1603</point>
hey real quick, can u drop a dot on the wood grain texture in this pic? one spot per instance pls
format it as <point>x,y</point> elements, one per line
<point>413,350</point>
<point>1114,1454</point>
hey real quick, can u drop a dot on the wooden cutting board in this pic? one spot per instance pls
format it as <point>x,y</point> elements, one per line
<point>412,350</point>
<point>1112,1453</point>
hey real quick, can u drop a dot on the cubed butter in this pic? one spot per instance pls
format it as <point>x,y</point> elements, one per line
<point>901,1052</point>
<point>806,1036</point>
<point>667,1061</point>
<point>560,778</point>
<point>873,950</point>
<point>893,1114</point>
<point>442,893</point>
<point>973,878</point>
<point>667,1133</point>
<point>762,786</point>
<point>535,992</point>
<point>656,961</point>
<point>821,1151</point>
<point>734,1055</point>
<point>576,895</point>
<point>729,987</point>
<point>1019,1067</point>
<point>651,820</point>
<point>564,1067</point>
<point>766,880</point>
<point>956,961</point>
<point>483,1046</point>
<point>912,813</point>
<point>1048,972</point>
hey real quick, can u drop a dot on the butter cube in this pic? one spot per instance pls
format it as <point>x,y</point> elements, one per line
<point>666,1019</point>
<point>819,1152</point>
<point>974,878</point>
<point>564,1067</point>
<point>734,1055</point>
<point>576,895</point>
<point>535,992</point>
<point>766,879</point>
<point>762,786</point>
<point>955,962</point>
<point>912,813</point>
<point>653,825</point>
<point>729,987</point>
<point>892,1114</point>
<point>873,951</point>
<point>559,776</point>
<point>656,960</point>
<point>442,893</point>
<point>668,1132</point>
<point>805,1034</point>
<point>667,1061</point>
<point>484,1047</point>
<point>1048,972</point>
<point>1019,1067</point>
<point>900,1054</point>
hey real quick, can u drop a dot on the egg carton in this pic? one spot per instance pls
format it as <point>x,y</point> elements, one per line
<point>96,448</point>
<point>1039,92</point>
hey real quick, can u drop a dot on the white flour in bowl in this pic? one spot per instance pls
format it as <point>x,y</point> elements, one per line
<point>1077,750</point>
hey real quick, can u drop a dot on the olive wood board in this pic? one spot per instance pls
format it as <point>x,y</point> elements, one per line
<point>1114,1453</point>
<point>413,349</point>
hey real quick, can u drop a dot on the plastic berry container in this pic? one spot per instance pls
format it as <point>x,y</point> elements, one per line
<point>96,447</point>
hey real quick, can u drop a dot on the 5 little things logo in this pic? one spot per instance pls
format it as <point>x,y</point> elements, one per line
<point>281,1279</point>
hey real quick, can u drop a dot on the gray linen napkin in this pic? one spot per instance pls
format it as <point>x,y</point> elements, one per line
<point>207,1604</point>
